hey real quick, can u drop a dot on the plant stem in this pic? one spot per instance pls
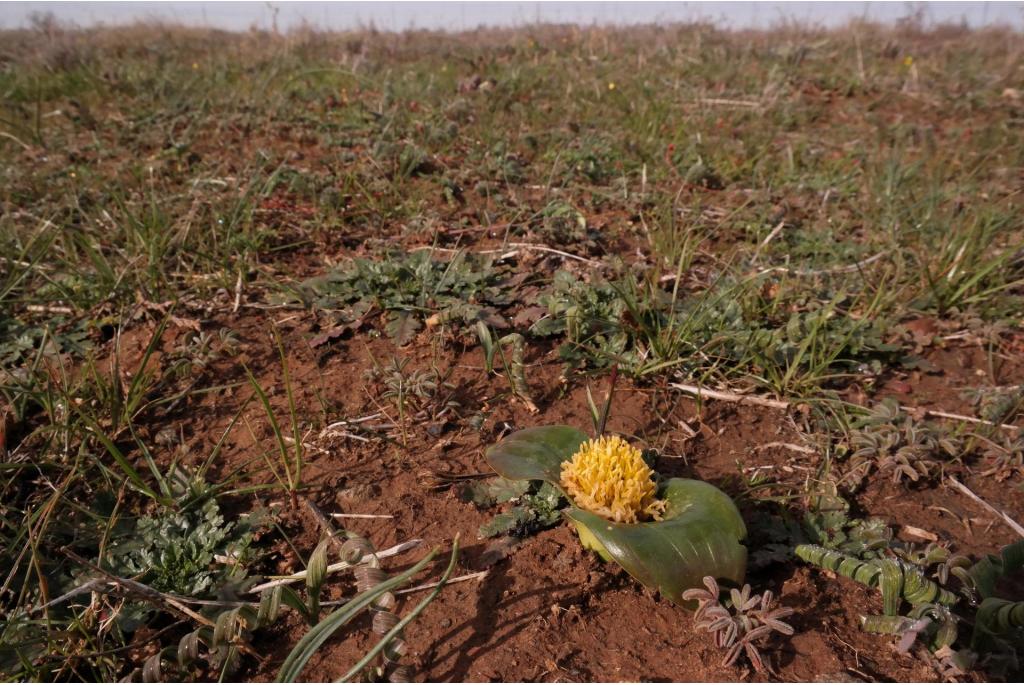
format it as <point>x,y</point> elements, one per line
<point>608,400</point>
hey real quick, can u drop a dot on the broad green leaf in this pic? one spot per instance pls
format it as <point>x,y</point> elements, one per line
<point>699,536</point>
<point>535,453</point>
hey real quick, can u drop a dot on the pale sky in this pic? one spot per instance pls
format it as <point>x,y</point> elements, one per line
<point>397,16</point>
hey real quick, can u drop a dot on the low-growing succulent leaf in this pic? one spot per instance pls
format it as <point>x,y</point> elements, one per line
<point>986,573</point>
<point>699,534</point>
<point>535,453</point>
<point>896,579</point>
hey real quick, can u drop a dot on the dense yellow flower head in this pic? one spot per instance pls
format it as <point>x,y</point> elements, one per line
<point>609,477</point>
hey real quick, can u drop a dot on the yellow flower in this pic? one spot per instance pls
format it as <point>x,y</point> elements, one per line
<point>908,61</point>
<point>609,477</point>
<point>611,85</point>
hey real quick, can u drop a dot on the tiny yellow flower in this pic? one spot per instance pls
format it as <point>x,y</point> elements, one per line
<point>908,61</point>
<point>195,65</point>
<point>609,477</point>
<point>611,85</point>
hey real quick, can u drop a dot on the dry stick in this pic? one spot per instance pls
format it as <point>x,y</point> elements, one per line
<point>48,309</point>
<point>362,516</point>
<point>141,589</point>
<point>771,236</point>
<point>1001,514</point>
<point>968,419</point>
<point>730,396</point>
<point>238,293</point>
<point>16,140</point>
<point>428,586</point>
<point>784,404</point>
<point>752,104</point>
<point>324,522</point>
<point>231,604</point>
<point>340,566</point>
<point>788,446</point>
<point>518,246</point>
<point>560,253</point>
<point>849,268</point>
<point>88,586</point>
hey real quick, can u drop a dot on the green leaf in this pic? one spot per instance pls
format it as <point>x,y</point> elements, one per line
<point>699,536</point>
<point>311,641</point>
<point>985,574</point>
<point>397,629</point>
<point>402,326</point>
<point>535,453</point>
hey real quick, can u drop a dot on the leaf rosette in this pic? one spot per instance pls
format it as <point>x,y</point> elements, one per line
<point>695,529</point>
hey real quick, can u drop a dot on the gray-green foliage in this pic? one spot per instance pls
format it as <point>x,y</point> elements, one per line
<point>536,505</point>
<point>890,440</point>
<point>732,325</point>
<point>174,549</point>
<point>19,342</point>
<point>866,551</point>
<point>828,523</point>
<point>588,315</point>
<point>410,287</point>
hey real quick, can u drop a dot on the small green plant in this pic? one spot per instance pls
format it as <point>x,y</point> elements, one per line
<point>412,288</point>
<point>379,595</point>
<point>174,550</point>
<point>997,404</point>
<point>1004,459</point>
<point>744,630</point>
<point>691,530</point>
<point>199,349</point>
<point>891,441</point>
<point>288,471</point>
<point>512,365</point>
<point>935,615</point>
<point>536,505</point>
<point>790,347</point>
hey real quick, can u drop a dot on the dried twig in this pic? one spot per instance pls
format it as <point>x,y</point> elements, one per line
<point>968,419</point>
<point>1001,514</point>
<point>48,309</point>
<point>764,243</point>
<point>324,522</point>
<point>140,589</point>
<point>761,401</point>
<point>726,102</point>
<point>340,566</point>
<point>362,516</point>
<point>457,579</point>
<point>518,246</point>
<point>848,268</point>
<point>787,445</point>
<point>730,396</point>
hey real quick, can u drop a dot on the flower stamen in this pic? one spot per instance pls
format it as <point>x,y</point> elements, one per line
<point>609,477</point>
